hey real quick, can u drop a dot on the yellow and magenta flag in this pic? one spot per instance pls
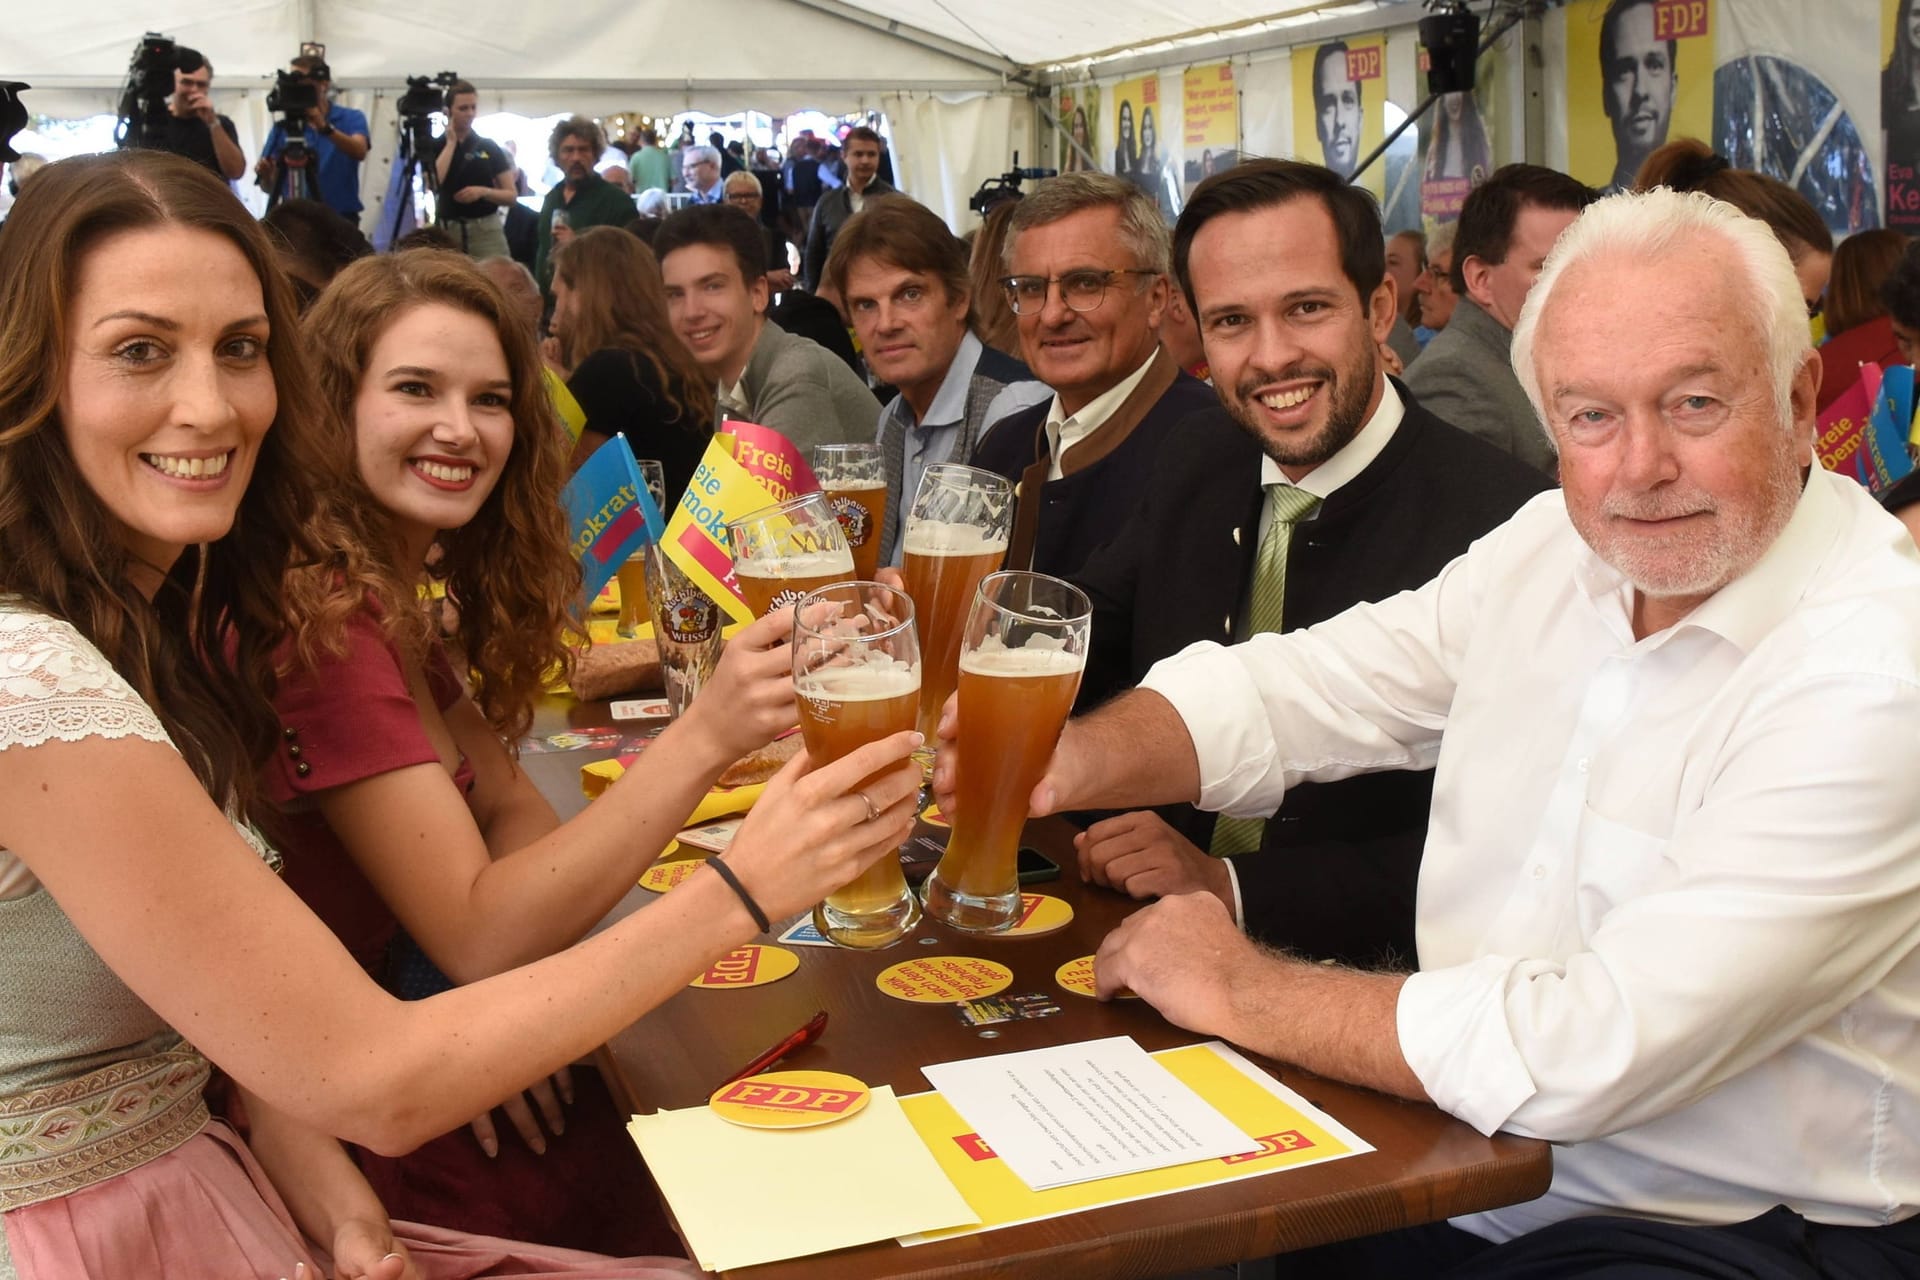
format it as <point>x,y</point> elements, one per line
<point>746,467</point>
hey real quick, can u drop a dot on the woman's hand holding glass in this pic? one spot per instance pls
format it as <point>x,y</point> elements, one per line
<point>748,701</point>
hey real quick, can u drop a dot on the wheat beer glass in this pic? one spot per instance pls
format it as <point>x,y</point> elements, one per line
<point>956,534</point>
<point>632,573</point>
<point>782,552</point>
<point>854,478</point>
<point>856,678</point>
<point>1020,664</point>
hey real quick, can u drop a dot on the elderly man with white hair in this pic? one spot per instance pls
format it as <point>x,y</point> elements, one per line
<point>1669,912</point>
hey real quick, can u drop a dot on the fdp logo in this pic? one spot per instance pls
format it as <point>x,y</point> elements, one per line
<point>736,968</point>
<point>1273,1144</point>
<point>1679,19</point>
<point>975,1146</point>
<point>1363,64</point>
<point>788,1097</point>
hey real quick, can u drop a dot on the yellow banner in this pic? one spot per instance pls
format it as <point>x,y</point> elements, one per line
<point>1339,104</point>
<point>572,416</point>
<point>1210,120</point>
<point>1634,82</point>
<point>746,468</point>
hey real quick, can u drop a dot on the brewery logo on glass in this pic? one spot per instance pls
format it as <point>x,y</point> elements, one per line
<point>853,518</point>
<point>690,617</point>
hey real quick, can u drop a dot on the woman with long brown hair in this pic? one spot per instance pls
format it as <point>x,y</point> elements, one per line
<point>158,466</point>
<point>404,808</point>
<point>628,369</point>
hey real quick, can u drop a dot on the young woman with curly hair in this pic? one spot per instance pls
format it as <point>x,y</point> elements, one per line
<point>629,370</point>
<point>404,810</point>
<point>158,473</point>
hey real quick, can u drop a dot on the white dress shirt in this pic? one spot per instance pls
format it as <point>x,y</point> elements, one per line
<point>1065,430</point>
<point>1670,902</point>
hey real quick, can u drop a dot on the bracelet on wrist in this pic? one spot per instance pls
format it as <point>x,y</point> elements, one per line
<point>746,899</point>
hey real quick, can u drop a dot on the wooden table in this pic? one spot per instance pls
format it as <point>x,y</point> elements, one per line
<point>1426,1165</point>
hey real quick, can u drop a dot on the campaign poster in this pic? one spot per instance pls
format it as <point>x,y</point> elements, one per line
<point>1639,72</point>
<point>1456,143</point>
<point>1900,111</point>
<point>1210,121</point>
<point>1142,153</point>
<point>1079,114</point>
<point>1339,104</point>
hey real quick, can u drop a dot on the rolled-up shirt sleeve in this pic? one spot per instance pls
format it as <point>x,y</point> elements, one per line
<point>1792,890</point>
<point>1363,692</point>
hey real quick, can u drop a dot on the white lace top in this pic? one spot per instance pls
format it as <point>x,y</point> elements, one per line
<point>62,1011</point>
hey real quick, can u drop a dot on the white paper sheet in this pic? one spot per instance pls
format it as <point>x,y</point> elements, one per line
<point>747,1196</point>
<point>1076,1112</point>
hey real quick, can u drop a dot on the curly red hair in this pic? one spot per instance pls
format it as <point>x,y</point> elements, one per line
<point>509,570</point>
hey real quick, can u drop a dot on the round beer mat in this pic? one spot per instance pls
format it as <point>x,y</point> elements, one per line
<point>753,965</point>
<point>1041,914</point>
<point>669,870</point>
<point>790,1099</point>
<point>944,979</point>
<point>1077,976</point>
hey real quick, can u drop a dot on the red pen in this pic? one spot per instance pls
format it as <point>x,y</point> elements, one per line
<point>800,1039</point>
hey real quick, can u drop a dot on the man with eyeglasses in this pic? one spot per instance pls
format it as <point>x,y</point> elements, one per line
<point>1086,276</point>
<point>700,170</point>
<point>743,193</point>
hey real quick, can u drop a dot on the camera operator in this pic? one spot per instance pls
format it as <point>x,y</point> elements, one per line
<point>336,138</point>
<point>194,129</point>
<point>475,178</point>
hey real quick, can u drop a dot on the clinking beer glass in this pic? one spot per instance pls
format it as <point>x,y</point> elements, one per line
<point>854,478</point>
<point>632,573</point>
<point>956,534</point>
<point>856,678</point>
<point>782,552</point>
<point>1020,663</point>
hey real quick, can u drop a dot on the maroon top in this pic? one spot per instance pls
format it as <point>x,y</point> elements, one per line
<point>1842,354</point>
<point>349,719</point>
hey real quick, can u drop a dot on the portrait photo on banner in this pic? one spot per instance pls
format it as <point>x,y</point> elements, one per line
<point>1456,142</point>
<point>1339,104</point>
<point>1900,111</point>
<point>1639,72</point>
<point>1079,115</point>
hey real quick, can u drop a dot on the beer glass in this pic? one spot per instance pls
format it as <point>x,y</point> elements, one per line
<point>856,678</point>
<point>1020,664</point>
<point>632,573</point>
<point>956,534</point>
<point>686,627</point>
<point>782,552</point>
<point>854,478</point>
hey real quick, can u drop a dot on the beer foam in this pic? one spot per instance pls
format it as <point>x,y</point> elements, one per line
<point>945,538</point>
<point>871,681</point>
<point>806,564</point>
<point>1039,656</point>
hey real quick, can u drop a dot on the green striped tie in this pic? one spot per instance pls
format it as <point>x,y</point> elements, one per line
<point>1290,506</point>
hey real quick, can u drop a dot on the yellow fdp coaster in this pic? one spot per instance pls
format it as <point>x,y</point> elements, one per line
<point>1077,976</point>
<point>944,979</point>
<point>789,1099</point>
<point>932,816</point>
<point>753,965</point>
<point>1041,914</point>
<point>672,867</point>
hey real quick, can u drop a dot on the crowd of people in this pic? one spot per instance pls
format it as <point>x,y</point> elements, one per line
<point>1498,705</point>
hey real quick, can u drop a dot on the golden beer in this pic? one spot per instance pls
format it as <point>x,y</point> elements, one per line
<point>943,565</point>
<point>842,710</point>
<point>1013,703</point>
<point>781,580</point>
<point>632,577</point>
<point>861,509</point>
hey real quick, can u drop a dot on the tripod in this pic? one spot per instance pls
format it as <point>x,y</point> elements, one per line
<point>292,168</point>
<point>416,141</point>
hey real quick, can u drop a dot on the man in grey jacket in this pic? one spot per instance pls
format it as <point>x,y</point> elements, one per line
<point>713,261</point>
<point>1465,376</point>
<point>864,183</point>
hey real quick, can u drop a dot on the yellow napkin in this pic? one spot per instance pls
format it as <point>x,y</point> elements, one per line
<point>597,777</point>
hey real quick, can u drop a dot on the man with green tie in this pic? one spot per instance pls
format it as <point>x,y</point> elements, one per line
<point>1317,484</point>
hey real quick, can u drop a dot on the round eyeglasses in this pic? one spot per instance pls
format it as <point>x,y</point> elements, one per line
<point>1080,290</point>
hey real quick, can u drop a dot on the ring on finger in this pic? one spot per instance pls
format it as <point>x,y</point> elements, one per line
<point>873,814</point>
